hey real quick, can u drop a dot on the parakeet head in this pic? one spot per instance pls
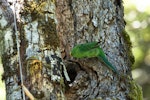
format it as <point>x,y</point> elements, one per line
<point>75,51</point>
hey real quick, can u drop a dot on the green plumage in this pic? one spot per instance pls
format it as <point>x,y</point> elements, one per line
<point>89,50</point>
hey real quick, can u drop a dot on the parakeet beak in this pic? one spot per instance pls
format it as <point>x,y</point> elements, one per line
<point>71,53</point>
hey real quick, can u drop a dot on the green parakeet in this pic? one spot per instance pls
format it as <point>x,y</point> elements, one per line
<point>89,50</point>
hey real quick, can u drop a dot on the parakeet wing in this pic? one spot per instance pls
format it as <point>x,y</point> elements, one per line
<point>88,46</point>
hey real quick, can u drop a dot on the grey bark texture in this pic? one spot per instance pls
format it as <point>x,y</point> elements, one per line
<point>48,30</point>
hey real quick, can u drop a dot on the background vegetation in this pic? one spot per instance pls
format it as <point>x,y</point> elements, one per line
<point>137,16</point>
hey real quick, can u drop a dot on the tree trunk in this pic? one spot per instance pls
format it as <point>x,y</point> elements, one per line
<point>47,31</point>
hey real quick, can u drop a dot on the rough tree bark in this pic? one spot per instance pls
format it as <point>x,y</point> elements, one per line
<point>48,30</point>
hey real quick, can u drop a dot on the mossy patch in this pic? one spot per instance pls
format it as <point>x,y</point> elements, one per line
<point>50,35</point>
<point>128,45</point>
<point>135,91</point>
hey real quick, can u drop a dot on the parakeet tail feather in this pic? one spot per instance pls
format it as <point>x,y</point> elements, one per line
<point>105,60</point>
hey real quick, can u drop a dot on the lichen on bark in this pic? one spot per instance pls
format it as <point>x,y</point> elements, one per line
<point>43,45</point>
<point>39,50</point>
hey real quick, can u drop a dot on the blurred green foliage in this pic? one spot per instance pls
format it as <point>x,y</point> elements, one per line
<point>138,27</point>
<point>2,84</point>
<point>137,17</point>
